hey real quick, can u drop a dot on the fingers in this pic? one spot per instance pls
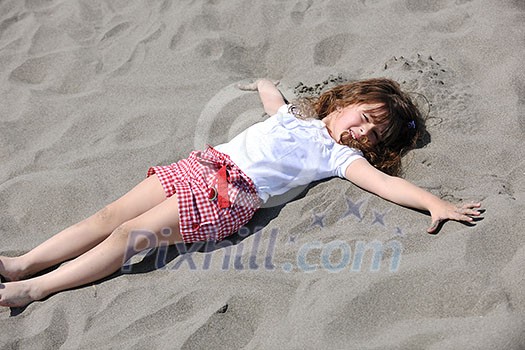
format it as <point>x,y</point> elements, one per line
<point>434,228</point>
<point>252,86</point>
<point>438,223</point>
<point>247,87</point>
<point>463,215</point>
<point>464,218</point>
<point>467,211</point>
<point>471,212</point>
<point>470,205</point>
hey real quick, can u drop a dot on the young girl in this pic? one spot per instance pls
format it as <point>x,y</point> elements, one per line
<point>359,132</point>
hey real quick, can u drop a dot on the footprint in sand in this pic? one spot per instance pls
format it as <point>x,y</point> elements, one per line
<point>206,22</point>
<point>177,37</point>
<point>33,5</point>
<point>234,56</point>
<point>328,51</point>
<point>11,28</point>
<point>236,321</point>
<point>57,328</point>
<point>91,12</point>
<point>155,35</point>
<point>131,134</point>
<point>49,39</point>
<point>299,11</point>
<point>211,48</point>
<point>134,60</point>
<point>166,5</point>
<point>34,71</point>
<point>138,55</point>
<point>9,23</point>
<point>63,72</point>
<point>441,86</point>
<point>114,32</point>
<point>425,6</point>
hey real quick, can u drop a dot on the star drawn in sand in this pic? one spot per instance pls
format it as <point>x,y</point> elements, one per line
<point>398,231</point>
<point>379,218</point>
<point>353,209</point>
<point>318,220</point>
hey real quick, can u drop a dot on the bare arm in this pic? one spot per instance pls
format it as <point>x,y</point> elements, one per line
<point>404,193</point>
<point>271,97</point>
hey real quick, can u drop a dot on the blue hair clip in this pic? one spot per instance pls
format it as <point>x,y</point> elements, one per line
<point>411,124</point>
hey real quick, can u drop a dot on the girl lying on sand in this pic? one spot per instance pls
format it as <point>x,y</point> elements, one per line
<point>360,131</point>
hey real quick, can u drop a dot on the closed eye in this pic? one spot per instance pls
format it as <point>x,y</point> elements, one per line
<point>374,132</point>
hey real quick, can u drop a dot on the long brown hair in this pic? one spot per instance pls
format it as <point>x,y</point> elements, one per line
<point>402,119</point>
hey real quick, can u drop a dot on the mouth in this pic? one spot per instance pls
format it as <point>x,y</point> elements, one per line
<point>352,134</point>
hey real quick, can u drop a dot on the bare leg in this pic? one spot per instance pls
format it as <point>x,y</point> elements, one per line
<point>86,234</point>
<point>159,225</point>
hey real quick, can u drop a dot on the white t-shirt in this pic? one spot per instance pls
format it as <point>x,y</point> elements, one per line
<point>284,152</point>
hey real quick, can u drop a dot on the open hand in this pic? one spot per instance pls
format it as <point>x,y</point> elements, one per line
<point>460,212</point>
<point>252,86</point>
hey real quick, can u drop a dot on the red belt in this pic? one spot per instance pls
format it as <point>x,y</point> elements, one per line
<point>221,192</point>
<point>224,176</point>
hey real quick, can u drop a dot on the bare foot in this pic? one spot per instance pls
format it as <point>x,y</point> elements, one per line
<point>11,269</point>
<point>17,294</point>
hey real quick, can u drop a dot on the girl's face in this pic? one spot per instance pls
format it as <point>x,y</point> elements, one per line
<point>356,120</point>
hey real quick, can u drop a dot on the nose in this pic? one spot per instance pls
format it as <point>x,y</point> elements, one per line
<point>364,129</point>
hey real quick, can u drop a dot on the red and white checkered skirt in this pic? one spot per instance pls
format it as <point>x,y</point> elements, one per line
<point>215,197</point>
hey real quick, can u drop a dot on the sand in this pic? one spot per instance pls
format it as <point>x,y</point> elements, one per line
<point>94,92</point>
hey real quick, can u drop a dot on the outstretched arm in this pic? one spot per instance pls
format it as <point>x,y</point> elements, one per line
<point>270,96</point>
<point>404,193</point>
